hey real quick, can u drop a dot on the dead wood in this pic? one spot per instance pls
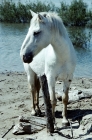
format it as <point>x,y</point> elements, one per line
<point>48,108</point>
<point>8,131</point>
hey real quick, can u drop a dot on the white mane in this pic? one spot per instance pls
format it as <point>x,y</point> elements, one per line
<point>56,22</point>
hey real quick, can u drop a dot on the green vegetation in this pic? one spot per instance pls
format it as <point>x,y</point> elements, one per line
<point>80,38</point>
<point>63,12</point>
<point>20,13</point>
<point>76,14</point>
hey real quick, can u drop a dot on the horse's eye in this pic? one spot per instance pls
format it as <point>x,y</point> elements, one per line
<point>37,33</point>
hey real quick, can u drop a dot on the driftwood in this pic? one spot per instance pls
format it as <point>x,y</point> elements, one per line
<point>33,120</point>
<point>29,125</point>
<point>75,95</point>
<point>8,131</point>
<point>48,109</point>
<point>22,128</point>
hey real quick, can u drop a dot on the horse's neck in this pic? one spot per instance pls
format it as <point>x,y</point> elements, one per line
<point>61,45</point>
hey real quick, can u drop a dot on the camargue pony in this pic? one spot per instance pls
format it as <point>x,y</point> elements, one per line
<point>47,49</point>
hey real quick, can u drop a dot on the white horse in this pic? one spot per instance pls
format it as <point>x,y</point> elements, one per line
<point>47,49</point>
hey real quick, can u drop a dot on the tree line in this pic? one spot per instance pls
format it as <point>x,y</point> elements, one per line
<point>75,14</point>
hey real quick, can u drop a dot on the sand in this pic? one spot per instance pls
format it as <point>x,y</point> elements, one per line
<point>15,101</point>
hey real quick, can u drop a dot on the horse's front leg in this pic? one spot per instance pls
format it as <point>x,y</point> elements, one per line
<point>65,102</point>
<point>34,86</point>
<point>33,98</point>
<point>34,91</point>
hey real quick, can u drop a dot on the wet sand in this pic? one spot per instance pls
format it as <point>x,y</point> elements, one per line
<point>15,101</point>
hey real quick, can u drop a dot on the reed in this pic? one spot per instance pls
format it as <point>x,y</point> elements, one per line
<point>76,14</point>
<point>10,12</point>
<point>80,38</point>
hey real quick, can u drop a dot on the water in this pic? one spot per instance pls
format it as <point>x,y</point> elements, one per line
<point>11,38</point>
<point>84,63</point>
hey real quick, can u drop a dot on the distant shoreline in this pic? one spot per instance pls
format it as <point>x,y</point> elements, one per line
<point>75,14</point>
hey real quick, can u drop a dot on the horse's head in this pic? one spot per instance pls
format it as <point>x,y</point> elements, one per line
<point>37,38</point>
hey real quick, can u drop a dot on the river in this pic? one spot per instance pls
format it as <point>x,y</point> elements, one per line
<point>11,38</point>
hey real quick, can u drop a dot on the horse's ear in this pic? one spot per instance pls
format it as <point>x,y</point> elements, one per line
<point>33,13</point>
<point>41,18</point>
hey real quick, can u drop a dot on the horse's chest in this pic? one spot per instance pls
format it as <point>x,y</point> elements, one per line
<point>46,62</point>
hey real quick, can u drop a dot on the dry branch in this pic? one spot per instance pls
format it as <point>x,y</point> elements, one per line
<point>48,108</point>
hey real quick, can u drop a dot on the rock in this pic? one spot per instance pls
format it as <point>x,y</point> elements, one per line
<point>22,128</point>
<point>86,124</point>
<point>29,125</point>
<point>75,94</point>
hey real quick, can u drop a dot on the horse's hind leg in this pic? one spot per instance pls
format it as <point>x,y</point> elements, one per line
<point>65,101</point>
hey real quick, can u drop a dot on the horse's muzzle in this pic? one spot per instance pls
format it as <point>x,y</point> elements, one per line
<point>28,58</point>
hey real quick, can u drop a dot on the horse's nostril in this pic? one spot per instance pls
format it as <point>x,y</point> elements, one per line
<point>24,58</point>
<point>28,58</point>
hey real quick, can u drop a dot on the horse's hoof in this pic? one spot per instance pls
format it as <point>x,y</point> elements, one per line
<point>33,113</point>
<point>38,112</point>
<point>65,123</point>
<point>59,97</point>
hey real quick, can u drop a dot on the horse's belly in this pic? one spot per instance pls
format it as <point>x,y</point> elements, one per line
<point>38,63</point>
